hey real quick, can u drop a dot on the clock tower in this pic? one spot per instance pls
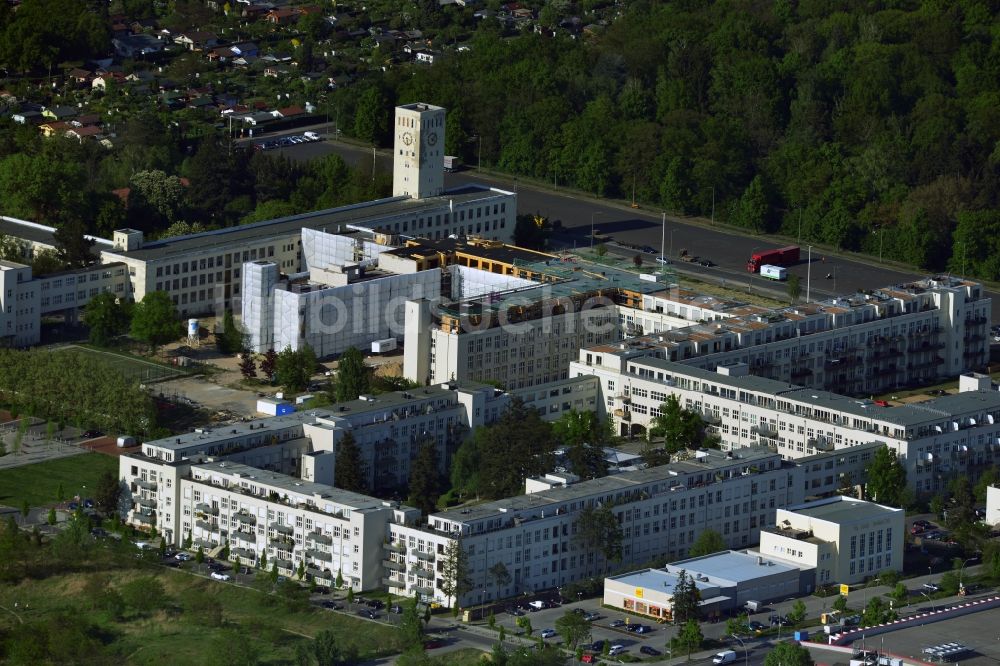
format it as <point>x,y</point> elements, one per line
<point>418,151</point>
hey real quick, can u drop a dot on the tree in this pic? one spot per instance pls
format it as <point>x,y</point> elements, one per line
<point>339,583</point>
<point>410,626</point>
<point>325,649</point>
<point>501,577</point>
<point>269,364</point>
<point>455,581</point>
<point>199,556</point>
<point>107,491</point>
<point>425,478</point>
<point>751,212</point>
<point>689,638</point>
<point>231,340</point>
<point>106,317</point>
<point>637,260</point>
<point>900,594</point>
<point>525,623</point>
<point>353,376</point>
<point>154,320</point>
<point>707,542</point>
<point>295,369</point>
<point>51,519</point>
<point>348,473</point>
<point>531,231</point>
<point>877,612</point>
<point>300,572</point>
<point>684,602</point>
<point>371,117</point>
<point>144,594</point>
<point>599,527</point>
<point>788,654</point>
<point>25,509</point>
<point>679,428</point>
<point>886,478</point>
<point>794,288</point>
<point>798,613</point>
<point>248,367</point>
<point>574,629</point>
<point>74,247</point>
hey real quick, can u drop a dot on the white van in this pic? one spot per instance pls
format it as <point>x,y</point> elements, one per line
<point>616,650</point>
<point>311,136</point>
<point>725,657</point>
<point>125,441</point>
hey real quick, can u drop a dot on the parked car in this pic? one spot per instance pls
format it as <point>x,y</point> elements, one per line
<point>99,532</point>
<point>651,651</point>
<point>643,629</point>
<point>332,605</point>
<point>432,643</point>
<point>396,609</point>
<point>756,627</point>
<point>590,617</point>
<point>617,623</point>
<point>376,604</point>
<point>724,657</point>
<point>547,633</point>
<point>218,575</point>
<point>92,434</point>
<point>923,524</point>
<point>598,646</point>
<point>368,613</point>
<point>617,650</point>
<point>311,136</point>
<point>515,611</point>
<point>662,260</point>
<point>932,587</point>
<point>648,249</point>
<point>183,557</point>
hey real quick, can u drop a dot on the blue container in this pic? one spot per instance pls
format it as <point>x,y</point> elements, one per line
<point>801,635</point>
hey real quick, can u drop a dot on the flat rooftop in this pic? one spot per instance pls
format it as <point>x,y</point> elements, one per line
<point>732,566</point>
<point>610,484</point>
<point>282,483</point>
<point>660,580</point>
<point>369,214</point>
<point>843,510</point>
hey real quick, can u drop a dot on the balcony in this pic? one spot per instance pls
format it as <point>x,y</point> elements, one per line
<point>281,544</point>
<point>285,564</point>
<point>146,502</point>
<point>207,526</point>
<point>146,485</point>
<point>318,537</point>
<point>245,518</point>
<point>281,528</point>
<point>821,443</point>
<point>765,431</point>
<point>396,547</point>
<point>244,553</point>
<point>426,557</point>
<point>246,537</point>
<point>207,509</point>
<point>319,555</point>
<point>205,544</point>
<point>421,589</point>
<point>423,573</point>
<point>394,565</point>
<point>389,582</point>
<point>145,519</point>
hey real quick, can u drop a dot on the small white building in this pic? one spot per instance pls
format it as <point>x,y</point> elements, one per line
<point>993,505</point>
<point>725,581</point>
<point>847,540</point>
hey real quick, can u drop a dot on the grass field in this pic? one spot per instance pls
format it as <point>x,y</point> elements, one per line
<point>131,366</point>
<point>251,620</point>
<point>39,483</point>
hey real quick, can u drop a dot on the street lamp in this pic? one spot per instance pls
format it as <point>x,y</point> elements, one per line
<point>746,655</point>
<point>809,266</point>
<point>960,571</point>
<point>592,216</point>
<point>671,243</point>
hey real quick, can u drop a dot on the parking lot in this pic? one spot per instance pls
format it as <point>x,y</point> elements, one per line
<point>977,631</point>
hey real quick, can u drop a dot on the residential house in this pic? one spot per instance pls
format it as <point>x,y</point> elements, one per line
<point>28,117</point>
<point>289,112</point>
<point>59,112</point>
<point>282,16</point>
<point>427,56</point>
<point>277,71</point>
<point>53,128</point>
<point>197,40</point>
<point>80,75</point>
<point>133,46</point>
<point>103,81</point>
<point>81,133</point>
<point>86,120</point>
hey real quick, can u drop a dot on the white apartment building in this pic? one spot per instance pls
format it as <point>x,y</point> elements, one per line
<point>202,272</point>
<point>952,434</point>
<point>661,511</point>
<point>860,345</point>
<point>847,540</point>
<point>389,429</point>
<point>993,505</point>
<point>290,521</point>
<point>556,398</point>
<point>522,337</point>
<point>25,299</point>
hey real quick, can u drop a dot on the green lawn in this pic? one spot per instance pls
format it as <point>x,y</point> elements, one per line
<point>39,483</point>
<point>172,635</point>
<point>131,366</point>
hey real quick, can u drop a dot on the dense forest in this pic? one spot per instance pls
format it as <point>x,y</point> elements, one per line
<point>865,125</point>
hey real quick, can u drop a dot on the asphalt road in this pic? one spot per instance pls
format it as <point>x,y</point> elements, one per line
<point>727,249</point>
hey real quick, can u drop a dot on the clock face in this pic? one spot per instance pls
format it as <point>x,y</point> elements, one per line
<point>407,138</point>
<point>432,138</point>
